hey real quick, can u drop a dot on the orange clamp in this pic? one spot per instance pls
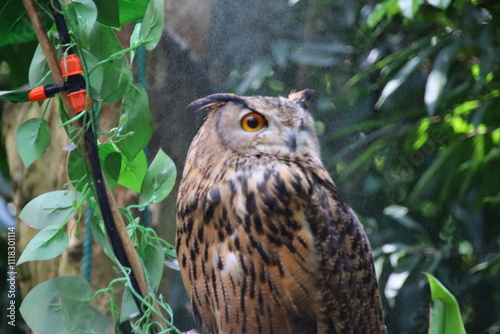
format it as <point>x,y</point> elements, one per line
<point>37,94</point>
<point>77,100</point>
<point>71,65</point>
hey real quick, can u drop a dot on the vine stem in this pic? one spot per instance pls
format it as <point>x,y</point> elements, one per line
<point>53,64</point>
<point>48,51</point>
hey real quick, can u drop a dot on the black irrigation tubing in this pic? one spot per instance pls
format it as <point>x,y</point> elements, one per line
<point>107,215</point>
<point>77,82</point>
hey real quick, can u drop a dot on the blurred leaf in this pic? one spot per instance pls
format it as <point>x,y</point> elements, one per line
<point>47,244</point>
<point>59,306</point>
<point>391,60</point>
<point>430,174</point>
<point>495,200</point>
<point>132,10</point>
<point>399,214</point>
<point>438,78</point>
<point>18,56</point>
<point>255,76</point>
<point>381,10</point>
<point>402,75</point>
<point>32,140</point>
<point>363,158</point>
<point>152,24</point>
<point>320,54</point>
<point>55,207</point>
<point>441,4</point>
<point>15,25</point>
<point>39,69</point>
<point>159,179</point>
<point>15,96</point>
<point>135,122</point>
<point>409,7</point>
<point>108,13</point>
<point>479,113</point>
<point>445,315</point>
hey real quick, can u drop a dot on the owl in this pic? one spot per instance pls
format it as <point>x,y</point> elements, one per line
<point>264,240</point>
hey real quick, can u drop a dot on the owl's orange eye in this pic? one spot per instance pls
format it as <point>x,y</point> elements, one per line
<point>253,122</point>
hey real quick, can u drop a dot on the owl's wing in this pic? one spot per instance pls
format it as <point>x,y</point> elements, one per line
<point>350,299</point>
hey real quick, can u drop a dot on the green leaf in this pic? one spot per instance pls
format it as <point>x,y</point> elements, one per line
<point>132,173</point>
<point>153,257</point>
<point>152,24</point>
<point>15,96</point>
<point>402,75</point>
<point>112,166</point>
<point>132,10</point>
<point>135,122</point>
<point>77,171</point>
<point>96,75</point>
<point>135,40</point>
<point>110,161</point>
<point>438,78</point>
<point>15,25</point>
<point>445,315</point>
<point>108,13</point>
<point>32,140</point>
<point>129,309</point>
<point>39,69</point>
<point>58,306</point>
<point>47,244</point>
<point>100,236</point>
<point>116,81</point>
<point>82,14</point>
<point>159,179</point>
<point>441,4</point>
<point>55,207</point>
<point>116,74</point>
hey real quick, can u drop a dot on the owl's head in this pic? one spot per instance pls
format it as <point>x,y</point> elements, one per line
<point>261,125</point>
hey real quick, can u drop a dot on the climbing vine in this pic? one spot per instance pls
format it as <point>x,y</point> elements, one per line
<point>63,304</point>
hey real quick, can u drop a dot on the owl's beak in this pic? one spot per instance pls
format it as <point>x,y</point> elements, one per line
<point>290,139</point>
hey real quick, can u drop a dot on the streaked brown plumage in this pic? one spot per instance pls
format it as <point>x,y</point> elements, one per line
<point>264,241</point>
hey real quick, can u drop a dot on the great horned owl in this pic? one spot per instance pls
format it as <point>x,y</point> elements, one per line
<point>264,240</point>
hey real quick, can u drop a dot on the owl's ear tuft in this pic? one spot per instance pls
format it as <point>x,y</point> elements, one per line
<point>215,101</point>
<point>302,97</point>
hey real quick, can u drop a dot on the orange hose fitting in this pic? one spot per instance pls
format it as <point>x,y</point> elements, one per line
<point>70,65</point>
<point>77,100</point>
<point>37,94</point>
